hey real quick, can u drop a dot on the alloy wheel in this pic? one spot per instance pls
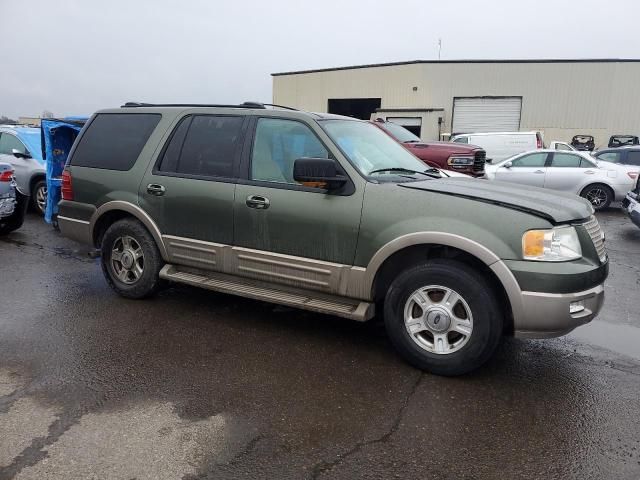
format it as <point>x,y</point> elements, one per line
<point>127,259</point>
<point>438,319</point>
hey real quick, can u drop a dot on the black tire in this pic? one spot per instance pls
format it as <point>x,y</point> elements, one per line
<point>480,299</point>
<point>38,184</point>
<point>602,193</point>
<point>149,282</point>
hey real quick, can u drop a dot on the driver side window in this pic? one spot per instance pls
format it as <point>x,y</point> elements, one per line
<point>532,160</point>
<point>277,145</point>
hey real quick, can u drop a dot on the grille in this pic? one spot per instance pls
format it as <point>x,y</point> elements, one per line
<point>597,237</point>
<point>478,161</point>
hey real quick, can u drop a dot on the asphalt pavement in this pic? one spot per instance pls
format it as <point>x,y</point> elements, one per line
<point>194,384</point>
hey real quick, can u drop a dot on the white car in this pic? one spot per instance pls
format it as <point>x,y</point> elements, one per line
<point>555,145</point>
<point>574,172</point>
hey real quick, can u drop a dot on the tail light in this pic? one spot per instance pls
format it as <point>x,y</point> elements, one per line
<point>633,175</point>
<point>539,141</point>
<point>6,176</point>
<point>67,190</point>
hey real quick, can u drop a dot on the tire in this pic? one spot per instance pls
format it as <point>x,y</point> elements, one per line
<point>476,312</point>
<point>599,195</point>
<point>129,276</point>
<point>39,197</point>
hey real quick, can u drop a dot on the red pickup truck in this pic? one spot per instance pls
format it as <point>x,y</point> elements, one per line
<point>463,158</point>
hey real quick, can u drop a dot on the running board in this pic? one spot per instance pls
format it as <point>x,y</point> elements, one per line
<point>294,297</point>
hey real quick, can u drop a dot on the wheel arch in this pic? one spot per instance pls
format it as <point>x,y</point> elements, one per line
<point>111,212</point>
<point>405,251</point>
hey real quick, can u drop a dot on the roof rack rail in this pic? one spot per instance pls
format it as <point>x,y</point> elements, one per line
<point>242,105</point>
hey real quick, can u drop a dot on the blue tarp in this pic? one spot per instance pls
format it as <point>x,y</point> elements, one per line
<point>58,136</point>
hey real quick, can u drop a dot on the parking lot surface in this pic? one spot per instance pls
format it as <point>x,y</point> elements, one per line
<point>194,384</point>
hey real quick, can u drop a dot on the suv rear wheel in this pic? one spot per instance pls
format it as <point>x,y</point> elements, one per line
<point>130,259</point>
<point>442,317</point>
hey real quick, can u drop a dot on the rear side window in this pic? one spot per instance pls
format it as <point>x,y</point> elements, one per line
<point>613,157</point>
<point>113,141</point>
<point>203,145</point>
<point>566,160</point>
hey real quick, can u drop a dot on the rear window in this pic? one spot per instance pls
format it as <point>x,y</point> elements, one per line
<point>113,141</point>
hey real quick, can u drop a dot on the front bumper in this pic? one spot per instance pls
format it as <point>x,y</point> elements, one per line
<point>546,315</point>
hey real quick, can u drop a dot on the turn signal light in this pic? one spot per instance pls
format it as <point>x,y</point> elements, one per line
<point>66,190</point>
<point>533,243</point>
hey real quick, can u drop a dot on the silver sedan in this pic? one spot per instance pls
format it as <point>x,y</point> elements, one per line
<point>574,172</point>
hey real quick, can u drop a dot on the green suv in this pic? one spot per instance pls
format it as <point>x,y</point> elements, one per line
<point>330,214</point>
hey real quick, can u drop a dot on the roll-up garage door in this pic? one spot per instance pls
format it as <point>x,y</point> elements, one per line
<point>485,114</point>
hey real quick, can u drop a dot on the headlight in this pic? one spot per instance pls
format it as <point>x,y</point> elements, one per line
<point>554,245</point>
<point>460,161</point>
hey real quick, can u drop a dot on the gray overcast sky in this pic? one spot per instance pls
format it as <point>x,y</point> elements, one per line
<point>74,57</point>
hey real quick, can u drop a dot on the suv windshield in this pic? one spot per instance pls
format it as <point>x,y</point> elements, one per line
<point>370,150</point>
<point>400,133</point>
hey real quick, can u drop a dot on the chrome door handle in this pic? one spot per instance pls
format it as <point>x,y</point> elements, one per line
<point>155,189</point>
<point>539,171</point>
<point>589,172</point>
<point>258,202</point>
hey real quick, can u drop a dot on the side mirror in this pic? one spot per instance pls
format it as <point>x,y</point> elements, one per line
<point>18,154</point>
<point>508,165</point>
<point>318,173</point>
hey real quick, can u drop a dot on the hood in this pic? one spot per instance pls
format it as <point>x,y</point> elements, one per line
<point>452,148</point>
<point>556,207</point>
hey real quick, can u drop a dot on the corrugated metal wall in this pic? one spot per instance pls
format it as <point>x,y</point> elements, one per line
<point>561,99</point>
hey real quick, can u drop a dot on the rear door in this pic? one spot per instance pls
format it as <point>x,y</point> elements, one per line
<point>189,191</point>
<point>528,169</point>
<point>567,172</point>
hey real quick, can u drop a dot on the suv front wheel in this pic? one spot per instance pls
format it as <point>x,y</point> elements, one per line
<point>130,259</point>
<point>442,317</point>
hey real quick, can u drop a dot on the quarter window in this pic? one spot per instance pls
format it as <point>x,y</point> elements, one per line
<point>113,141</point>
<point>8,142</point>
<point>278,144</point>
<point>532,160</point>
<point>203,145</point>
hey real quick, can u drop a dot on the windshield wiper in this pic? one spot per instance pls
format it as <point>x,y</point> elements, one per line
<point>404,170</point>
<point>411,141</point>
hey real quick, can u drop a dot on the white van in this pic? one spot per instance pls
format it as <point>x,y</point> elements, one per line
<point>501,145</point>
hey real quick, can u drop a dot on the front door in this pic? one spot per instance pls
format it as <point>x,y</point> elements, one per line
<point>23,167</point>
<point>528,170</point>
<point>189,191</point>
<point>301,234</point>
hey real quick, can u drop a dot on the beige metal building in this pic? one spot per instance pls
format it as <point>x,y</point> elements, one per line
<point>561,98</point>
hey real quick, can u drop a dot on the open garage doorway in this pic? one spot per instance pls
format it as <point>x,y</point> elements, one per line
<point>361,108</point>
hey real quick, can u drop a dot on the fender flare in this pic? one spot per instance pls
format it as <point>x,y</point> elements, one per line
<point>136,212</point>
<point>482,253</point>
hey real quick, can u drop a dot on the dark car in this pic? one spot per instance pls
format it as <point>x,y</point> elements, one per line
<point>462,158</point>
<point>623,141</point>
<point>622,156</point>
<point>583,143</point>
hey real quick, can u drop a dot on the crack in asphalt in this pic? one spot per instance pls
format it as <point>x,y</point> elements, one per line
<point>34,453</point>
<point>323,467</point>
